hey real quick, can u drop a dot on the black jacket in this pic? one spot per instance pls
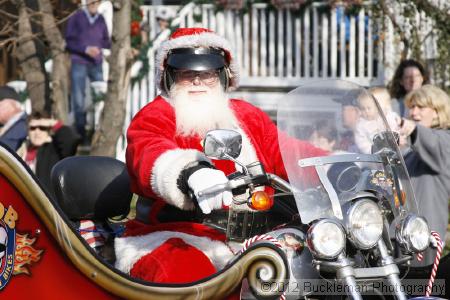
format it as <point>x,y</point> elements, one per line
<point>64,143</point>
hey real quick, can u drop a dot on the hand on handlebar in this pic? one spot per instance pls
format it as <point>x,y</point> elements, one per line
<point>206,178</point>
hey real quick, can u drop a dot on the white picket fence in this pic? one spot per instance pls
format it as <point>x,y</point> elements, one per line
<point>283,49</point>
<point>278,50</point>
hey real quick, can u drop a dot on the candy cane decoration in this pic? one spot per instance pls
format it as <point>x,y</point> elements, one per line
<point>262,237</point>
<point>419,256</point>
<point>436,262</point>
<point>257,238</point>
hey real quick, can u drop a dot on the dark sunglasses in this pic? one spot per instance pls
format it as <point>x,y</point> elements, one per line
<point>42,128</point>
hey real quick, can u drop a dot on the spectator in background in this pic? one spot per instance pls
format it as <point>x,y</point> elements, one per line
<point>428,156</point>
<point>48,142</point>
<point>144,32</point>
<point>163,17</point>
<point>13,119</point>
<point>409,76</point>
<point>370,122</point>
<point>86,35</point>
<point>350,115</point>
<point>324,136</point>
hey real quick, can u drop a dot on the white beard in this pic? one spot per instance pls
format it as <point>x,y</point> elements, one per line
<point>197,114</point>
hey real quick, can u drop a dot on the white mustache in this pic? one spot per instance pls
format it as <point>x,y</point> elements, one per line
<point>196,114</point>
<point>198,89</point>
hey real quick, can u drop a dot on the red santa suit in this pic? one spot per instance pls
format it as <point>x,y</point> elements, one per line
<point>156,155</point>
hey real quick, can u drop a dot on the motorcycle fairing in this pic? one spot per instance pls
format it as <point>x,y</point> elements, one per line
<point>319,193</point>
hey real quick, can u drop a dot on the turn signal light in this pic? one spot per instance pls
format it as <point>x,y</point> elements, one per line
<point>399,198</point>
<point>260,201</point>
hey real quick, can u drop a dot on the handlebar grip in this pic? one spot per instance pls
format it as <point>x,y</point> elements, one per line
<point>213,190</point>
<point>232,184</point>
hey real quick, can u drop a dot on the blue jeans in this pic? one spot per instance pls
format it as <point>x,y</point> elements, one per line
<point>78,74</point>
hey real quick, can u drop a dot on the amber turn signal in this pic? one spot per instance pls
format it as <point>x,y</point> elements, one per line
<point>402,199</point>
<point>260,201</point>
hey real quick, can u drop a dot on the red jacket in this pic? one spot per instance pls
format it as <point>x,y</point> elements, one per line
<point>156,154</point>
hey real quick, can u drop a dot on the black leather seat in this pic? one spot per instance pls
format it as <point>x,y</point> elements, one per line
<point>91,187</point>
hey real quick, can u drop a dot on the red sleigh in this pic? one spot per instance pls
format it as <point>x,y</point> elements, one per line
<point>44,256</point>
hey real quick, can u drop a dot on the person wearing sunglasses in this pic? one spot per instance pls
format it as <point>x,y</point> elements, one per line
<point>48,142</point>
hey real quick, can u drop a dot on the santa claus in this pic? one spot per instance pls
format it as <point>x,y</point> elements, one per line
<point>195,70</point>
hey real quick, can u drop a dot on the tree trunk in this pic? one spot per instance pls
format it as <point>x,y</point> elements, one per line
<point>60,68</point>
<point>113,115</point>
<point>29,61</point>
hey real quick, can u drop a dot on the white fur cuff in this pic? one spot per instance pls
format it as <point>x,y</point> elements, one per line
<point>165,173</point>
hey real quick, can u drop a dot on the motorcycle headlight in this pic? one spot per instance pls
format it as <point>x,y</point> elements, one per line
<point>364,224</point>
<point>414,233</point>
<point>326,239</point>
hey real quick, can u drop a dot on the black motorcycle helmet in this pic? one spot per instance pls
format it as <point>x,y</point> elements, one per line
<point>196,59</point>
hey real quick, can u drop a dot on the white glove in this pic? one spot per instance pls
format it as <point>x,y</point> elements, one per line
<point>206,178</point>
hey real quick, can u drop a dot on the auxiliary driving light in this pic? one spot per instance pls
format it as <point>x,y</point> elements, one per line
<point>414,233</point>
<point>326,239</point>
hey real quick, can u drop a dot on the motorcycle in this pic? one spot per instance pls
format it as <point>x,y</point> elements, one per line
<point>355,222</point>
<point>349,218</point>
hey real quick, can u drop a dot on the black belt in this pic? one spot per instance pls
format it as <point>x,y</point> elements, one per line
<point>237,225</point>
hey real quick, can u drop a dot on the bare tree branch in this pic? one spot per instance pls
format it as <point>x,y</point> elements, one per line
<point>399,29</point>
<point>441,16</point>
<point>8,15</point>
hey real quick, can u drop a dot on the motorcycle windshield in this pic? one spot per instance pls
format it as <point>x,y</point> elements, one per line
<point>337,145</point>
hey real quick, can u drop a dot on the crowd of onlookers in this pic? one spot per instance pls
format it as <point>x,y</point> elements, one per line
<point>417,110</point>
<point>39,139</point>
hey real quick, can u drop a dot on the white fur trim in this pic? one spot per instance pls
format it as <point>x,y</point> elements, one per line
<point>165,173</point>
<point>130,249</point>
<point>205,39</point>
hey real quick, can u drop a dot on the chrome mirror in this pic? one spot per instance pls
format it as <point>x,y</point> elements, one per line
<point>222,144</point>
<point>385,139</point>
